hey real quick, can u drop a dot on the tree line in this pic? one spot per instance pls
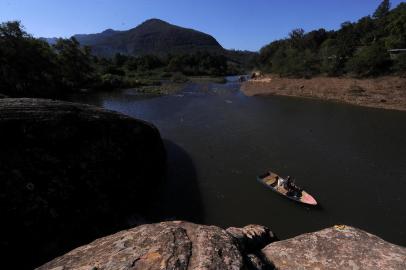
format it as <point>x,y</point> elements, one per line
<point>31,67</point>
<point>362,48</point>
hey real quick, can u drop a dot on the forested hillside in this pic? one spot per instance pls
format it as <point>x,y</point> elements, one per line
<point>368,47</point>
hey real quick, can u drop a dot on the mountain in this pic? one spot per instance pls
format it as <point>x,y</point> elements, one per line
<point>153,36</point>
<point>50,41</point>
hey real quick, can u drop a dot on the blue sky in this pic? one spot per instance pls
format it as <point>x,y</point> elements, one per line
<point>248,24</point>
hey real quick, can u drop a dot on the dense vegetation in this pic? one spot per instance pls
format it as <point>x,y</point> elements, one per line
<point>360,48</point>
<point>31,67</point>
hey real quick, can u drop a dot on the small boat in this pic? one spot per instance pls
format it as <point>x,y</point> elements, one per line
<point>270,180</point>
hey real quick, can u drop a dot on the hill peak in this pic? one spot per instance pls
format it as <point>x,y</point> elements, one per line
<point>108,31</point>
<point>154,20</point>
<point>153,36</point>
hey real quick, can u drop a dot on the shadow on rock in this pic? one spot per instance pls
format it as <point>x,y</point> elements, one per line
<point>71,173</point>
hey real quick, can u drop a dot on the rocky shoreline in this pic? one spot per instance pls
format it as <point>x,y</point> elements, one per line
<point>383,92</point>
<point>186,246</point>
<point>71,173</point>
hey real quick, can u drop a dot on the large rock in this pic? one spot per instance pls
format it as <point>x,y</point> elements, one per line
<point>167,245</point>
<point>70,173</point>
<point>252,238</point>
<point>340,247</point>
<point>183,245</point>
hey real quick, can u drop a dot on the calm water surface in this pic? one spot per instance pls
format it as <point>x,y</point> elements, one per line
<point>352,159</point>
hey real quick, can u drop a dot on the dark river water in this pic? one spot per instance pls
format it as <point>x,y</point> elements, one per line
<point>351,159</point>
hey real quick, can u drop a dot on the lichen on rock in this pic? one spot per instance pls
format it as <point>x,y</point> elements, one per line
<point>339,247</point>
<point>183,245</point>
<point>166,245</point>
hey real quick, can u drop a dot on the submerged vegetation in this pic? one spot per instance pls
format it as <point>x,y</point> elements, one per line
<point>369,47</point>
<point>31,67</point>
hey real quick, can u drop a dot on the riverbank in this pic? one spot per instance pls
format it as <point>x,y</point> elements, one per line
<point>163,86</point>
<point>387,92</point>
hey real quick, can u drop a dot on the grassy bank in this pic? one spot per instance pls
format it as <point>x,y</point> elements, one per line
<point>388,92</point>
<point>162,84</point>
<point>205,79</point>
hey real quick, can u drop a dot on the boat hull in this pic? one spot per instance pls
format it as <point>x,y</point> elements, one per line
<point>270,180</point>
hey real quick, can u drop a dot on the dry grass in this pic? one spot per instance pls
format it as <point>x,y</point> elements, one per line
<point>387,92</point>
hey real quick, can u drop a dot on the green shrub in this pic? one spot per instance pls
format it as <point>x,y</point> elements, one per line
<point>400,63</point>
<point>179,78</point>
<point>359,48</point>
<point>370,61</point>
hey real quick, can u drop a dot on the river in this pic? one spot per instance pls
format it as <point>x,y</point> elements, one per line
<point>351,159</point>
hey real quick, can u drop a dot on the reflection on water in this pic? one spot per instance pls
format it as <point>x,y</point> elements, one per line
<point>352,159</point>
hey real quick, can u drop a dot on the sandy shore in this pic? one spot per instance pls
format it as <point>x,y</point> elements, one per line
<point>387,92</point>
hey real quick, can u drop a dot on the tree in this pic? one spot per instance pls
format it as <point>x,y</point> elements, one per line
<point>396,28</point>
<point>267,53</point>
<point>382,10</point>
<point>27,66</point>
<point>120,59</point>
<point>199,63</point>
<point>400,63</point>
<point>296,37</point>
<point>370,61</point>
<point>75,63</point>
<point>12,29</point>
<point>366,29</point>
<point>314,39</point>
<point>359,48</point>
<point>331,60</point>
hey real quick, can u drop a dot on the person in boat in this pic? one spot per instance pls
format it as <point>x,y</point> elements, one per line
<point>280,181</point>
<point>299,192</point>
<point>288,183</point>
<point>293,189</point>
<point>274,183</point>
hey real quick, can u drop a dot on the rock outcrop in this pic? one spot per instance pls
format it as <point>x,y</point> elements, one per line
<point>252,237</point>
<point>166,245</point>
<point>340,247</point>
<point>70,173</point>
<point>183,245</point>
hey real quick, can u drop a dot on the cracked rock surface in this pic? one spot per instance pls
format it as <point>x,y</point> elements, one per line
<point>252,238</point>
<point>339,247</point>
<point>166,245</point>
<point>182,245</point>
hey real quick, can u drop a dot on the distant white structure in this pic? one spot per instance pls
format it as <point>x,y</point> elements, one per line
<point>394,53</point>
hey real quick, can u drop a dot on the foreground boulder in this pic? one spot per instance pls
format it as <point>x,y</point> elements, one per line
<point>252,237</point>
<point>340,247</point>
<point>70,173</point>
<point>182,245</point>
<point>166,245</point>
